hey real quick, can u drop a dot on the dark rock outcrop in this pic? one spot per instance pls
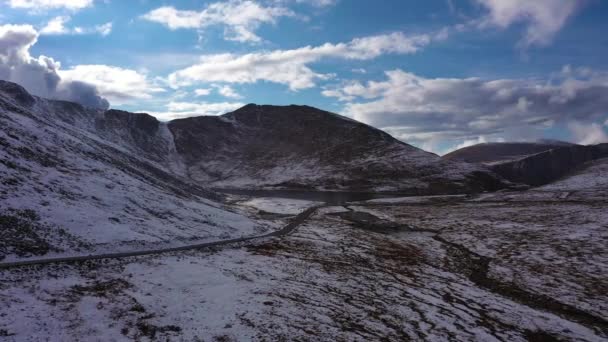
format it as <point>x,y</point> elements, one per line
<point>503,152</point>
<point>18,93</point>
<point>544,168</point>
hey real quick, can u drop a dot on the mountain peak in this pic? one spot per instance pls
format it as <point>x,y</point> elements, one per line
<point>17,92</point>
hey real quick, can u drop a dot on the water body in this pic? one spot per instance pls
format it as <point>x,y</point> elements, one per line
<point>329,197</point>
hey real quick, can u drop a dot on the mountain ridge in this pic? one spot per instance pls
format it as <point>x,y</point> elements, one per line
<point>270,147</point>
<point>498,152</point>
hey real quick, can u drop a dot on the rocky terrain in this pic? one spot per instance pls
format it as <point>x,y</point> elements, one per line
<point>496,153</point>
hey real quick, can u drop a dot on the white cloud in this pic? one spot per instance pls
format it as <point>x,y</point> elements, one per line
<point>588,134</point>
<point>418,109</point>
<point>117,84</point>
<point>291,67</point>
<point>40,76</point>
<point>57,26</point>
<point>228,91</point>
<point>471,142</point>
<point>15,42</point>
<point>314,3</point>
<point>240,18</point>
<point>202,92</point>
<point>178,110</point>
<point>40,5</point>
<point>318,3</point>
<point>104,29</point>
<point>544,17</point>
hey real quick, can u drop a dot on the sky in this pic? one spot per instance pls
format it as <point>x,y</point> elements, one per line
<point>438,74</point>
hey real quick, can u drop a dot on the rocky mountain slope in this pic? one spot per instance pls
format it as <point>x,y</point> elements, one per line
<point>546,167</point>
<point>303,147</point>
<point>261,147</point>
<point>77,181</point>
<point>493,153</point>
<point>591,175</point>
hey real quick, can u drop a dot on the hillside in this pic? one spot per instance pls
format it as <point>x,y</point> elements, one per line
<point>73,181</point>
<point>493,153</point>
<point>546,167</point>
<point>589,176</point>
<point>82,179</point>
<point>300,147</point>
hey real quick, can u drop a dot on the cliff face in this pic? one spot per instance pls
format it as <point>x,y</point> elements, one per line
<point>549,166</point>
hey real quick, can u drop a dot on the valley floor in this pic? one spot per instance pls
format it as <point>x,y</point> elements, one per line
<point>527,266</point>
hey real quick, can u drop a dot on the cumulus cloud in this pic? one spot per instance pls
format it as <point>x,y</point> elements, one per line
<point>419,109</point>
<point>179,110</point>
<point>292,67</point>
<point>39,75</point>
<point>57,26</point>
<point>202,92</point>
<point>228,91</point>
<point>39,5</point>
<point>588,134</point>
<point>544,18</point>
<point>318,3</point>
<point>117,84</point>
<point>314,3</point>
<point>104,29</point>
<point>85,84</point>
<point>240,18</point>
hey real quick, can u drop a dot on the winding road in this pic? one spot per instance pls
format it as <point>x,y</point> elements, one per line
<point>295,222</point>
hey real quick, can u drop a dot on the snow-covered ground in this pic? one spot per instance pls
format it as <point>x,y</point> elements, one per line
<point>279,205</point>
<point>457,270</point>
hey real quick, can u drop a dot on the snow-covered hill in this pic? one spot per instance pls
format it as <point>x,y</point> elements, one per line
<point>304,147</point>
<point>550,166</point>
<point>76,181</point>
<point>591,176</point>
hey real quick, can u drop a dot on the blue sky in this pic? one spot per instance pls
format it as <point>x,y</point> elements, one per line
<point>438,74</point>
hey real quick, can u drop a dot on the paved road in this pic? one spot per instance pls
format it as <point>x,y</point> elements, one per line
<point>299,219</point>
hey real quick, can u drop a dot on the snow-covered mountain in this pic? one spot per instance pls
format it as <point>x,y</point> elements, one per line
<point>512,266</point>
<point>76,180</point>
<point>303,147</point>
<point>257,147</point>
